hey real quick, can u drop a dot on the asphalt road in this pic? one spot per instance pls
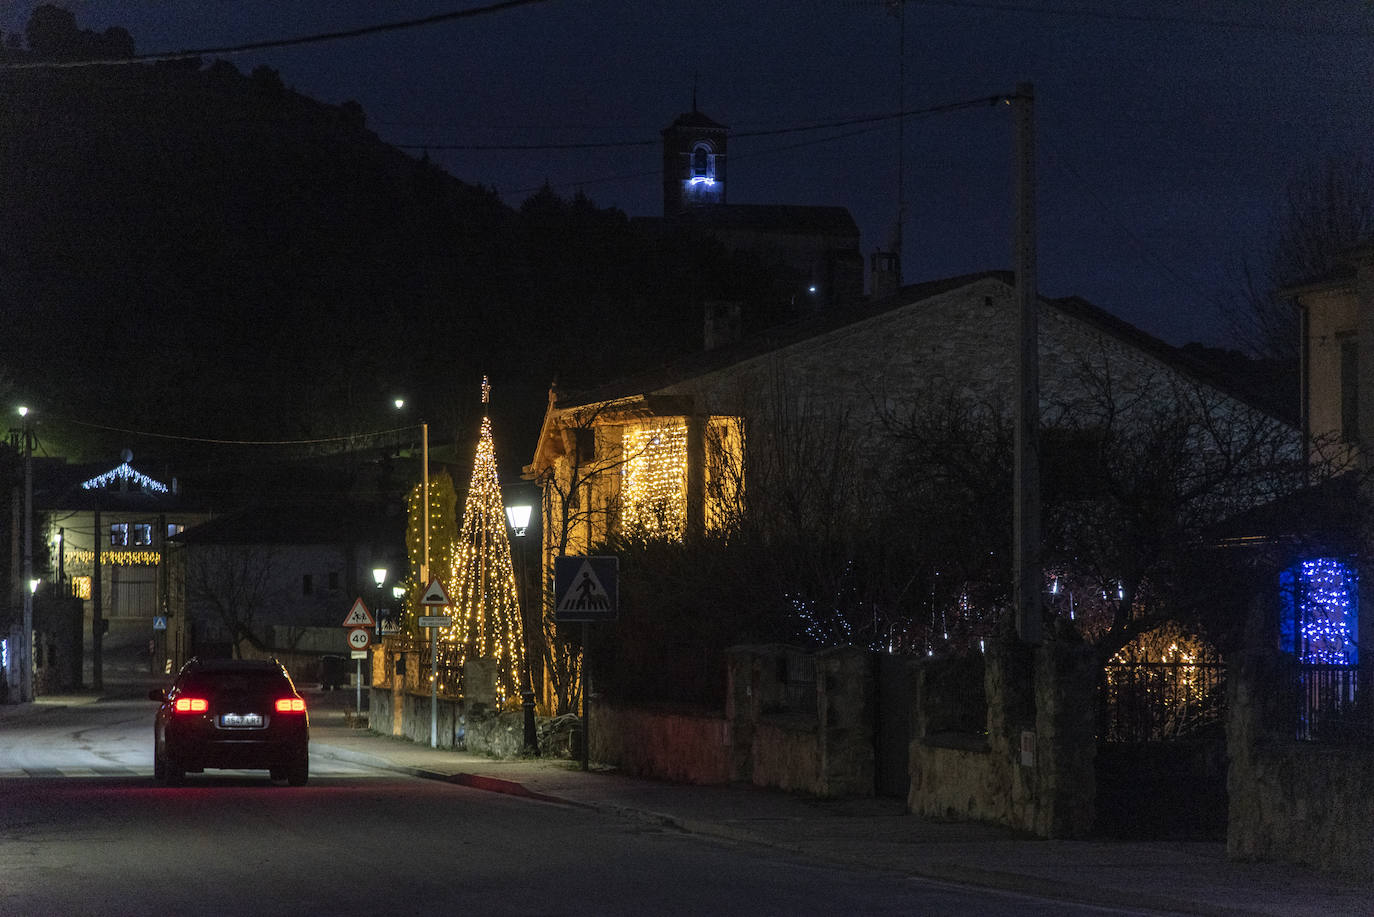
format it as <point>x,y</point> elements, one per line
<point>85,830</point>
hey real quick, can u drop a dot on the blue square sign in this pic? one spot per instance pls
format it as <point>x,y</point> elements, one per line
<point>586,588</point>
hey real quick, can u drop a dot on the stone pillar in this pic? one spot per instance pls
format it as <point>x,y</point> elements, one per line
<point>846,704</point>
<point>1066,676</point>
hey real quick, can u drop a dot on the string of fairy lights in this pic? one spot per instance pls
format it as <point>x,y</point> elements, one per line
<point>653,488</point>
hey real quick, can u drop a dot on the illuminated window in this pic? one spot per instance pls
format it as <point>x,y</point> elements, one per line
<point>653,488</point>
<point>175,528</point>
<point>143,533</point>
<point>119,535</point>
<point>81,586</point>
<point>1319,611</point>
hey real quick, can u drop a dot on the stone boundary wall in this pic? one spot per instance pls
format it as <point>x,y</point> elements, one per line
<point>1298,802</point>
<point>1032,769</point>
<point>682,747</point>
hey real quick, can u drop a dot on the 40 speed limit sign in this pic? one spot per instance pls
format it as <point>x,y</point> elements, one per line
<point>359,638</point>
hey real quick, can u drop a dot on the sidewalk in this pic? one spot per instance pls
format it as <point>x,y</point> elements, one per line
<point>877,834</point>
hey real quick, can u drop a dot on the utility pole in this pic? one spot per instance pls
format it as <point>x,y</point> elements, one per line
<point>26,680</point>
<point>97,615</point>
<point>1028,579</point>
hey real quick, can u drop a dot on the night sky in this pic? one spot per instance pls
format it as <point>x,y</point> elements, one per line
<point>1166,130</point>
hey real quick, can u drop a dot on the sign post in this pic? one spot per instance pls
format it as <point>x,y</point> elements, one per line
<point>586,589</point>
<point>434,597</point>
<point>358,621</point>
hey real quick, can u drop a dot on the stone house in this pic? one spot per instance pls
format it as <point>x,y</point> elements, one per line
<point>667,452</point>
<point>668,446</point>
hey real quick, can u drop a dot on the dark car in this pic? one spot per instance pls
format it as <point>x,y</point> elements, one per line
<point>231,713</point>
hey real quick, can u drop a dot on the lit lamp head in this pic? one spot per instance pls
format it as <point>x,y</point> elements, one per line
<point>379,576</point>
<point>33,586</point>
<point>398,592</point>
<point>519,517</point>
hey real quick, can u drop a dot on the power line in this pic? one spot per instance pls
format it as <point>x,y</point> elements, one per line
<point>734,135</point>
<point>352,437</point>
<point>1123,16</point>
<point>248,47</point>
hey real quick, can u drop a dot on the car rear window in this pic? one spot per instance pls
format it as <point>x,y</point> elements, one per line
<point>235,681</point>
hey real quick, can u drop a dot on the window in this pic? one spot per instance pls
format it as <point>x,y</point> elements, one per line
<point>653,489</point>
<point>1350,387</point>
<point>307,585</point>
<point>143,533</point>
<point>702,163</point>
<point>175,528</point>
<point>119,535</point>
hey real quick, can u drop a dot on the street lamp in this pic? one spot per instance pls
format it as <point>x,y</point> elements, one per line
<point>519,518</point>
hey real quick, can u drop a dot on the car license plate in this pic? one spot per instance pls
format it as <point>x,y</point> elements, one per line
<point>241,720</point>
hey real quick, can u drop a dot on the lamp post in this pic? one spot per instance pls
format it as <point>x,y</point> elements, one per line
<point>519,518</point>
<point>378,577</point>
<point>26,648</point>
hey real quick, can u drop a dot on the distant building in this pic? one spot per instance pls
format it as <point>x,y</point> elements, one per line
<point>818,246</point>
<point>279,578</point>
<point>127,515</point>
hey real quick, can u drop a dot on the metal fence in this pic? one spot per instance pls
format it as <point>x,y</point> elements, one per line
<point>1328,703</point>
<point>1160,701</point>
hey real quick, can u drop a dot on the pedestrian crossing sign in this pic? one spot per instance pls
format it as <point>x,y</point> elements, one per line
<point>586,588</point>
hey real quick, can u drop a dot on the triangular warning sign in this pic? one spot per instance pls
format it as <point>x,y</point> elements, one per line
<point>435,594</point>
<point>359,616</point>
<point>585,593</point>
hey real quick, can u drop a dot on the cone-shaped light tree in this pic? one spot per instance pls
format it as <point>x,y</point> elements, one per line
<point>482,581</point>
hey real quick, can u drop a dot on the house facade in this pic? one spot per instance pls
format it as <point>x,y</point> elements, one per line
<point>279,579</point>
<point>669,447</point>
<point>126,515</point>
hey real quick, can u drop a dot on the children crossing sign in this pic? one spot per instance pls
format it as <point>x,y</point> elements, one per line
<point>585,588</point>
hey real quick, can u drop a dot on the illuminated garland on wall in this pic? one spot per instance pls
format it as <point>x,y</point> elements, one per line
<point>115,558</point>
<point>125,472</point>
<point>486,621</point>
<point>653,489</point>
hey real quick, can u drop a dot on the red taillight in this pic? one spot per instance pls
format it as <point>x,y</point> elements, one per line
<point>191,705</point>
<point>291,705</point>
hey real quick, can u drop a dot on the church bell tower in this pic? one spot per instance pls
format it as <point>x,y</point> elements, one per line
<point>693,163</point>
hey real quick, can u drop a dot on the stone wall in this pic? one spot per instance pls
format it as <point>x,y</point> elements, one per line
<point>682,747</point>
<point>1300,802</point>
<point>1032,768</point>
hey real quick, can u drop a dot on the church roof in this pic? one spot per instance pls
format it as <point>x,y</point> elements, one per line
<point>780,219</point>
<point>695,120</point>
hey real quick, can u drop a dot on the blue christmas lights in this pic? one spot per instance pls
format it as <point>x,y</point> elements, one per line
<point>1319,620</point>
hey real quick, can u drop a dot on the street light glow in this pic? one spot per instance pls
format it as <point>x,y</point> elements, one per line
<point>519,517</point>
<point>379,575</point>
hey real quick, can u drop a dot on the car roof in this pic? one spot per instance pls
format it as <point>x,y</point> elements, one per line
<point>234,665</point>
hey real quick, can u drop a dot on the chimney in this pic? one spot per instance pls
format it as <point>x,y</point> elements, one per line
<point>723,324</point>
<point>885,274</point>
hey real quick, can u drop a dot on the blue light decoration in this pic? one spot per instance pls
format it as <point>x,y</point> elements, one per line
<point>124,472</point>
<point>1319,615</point>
